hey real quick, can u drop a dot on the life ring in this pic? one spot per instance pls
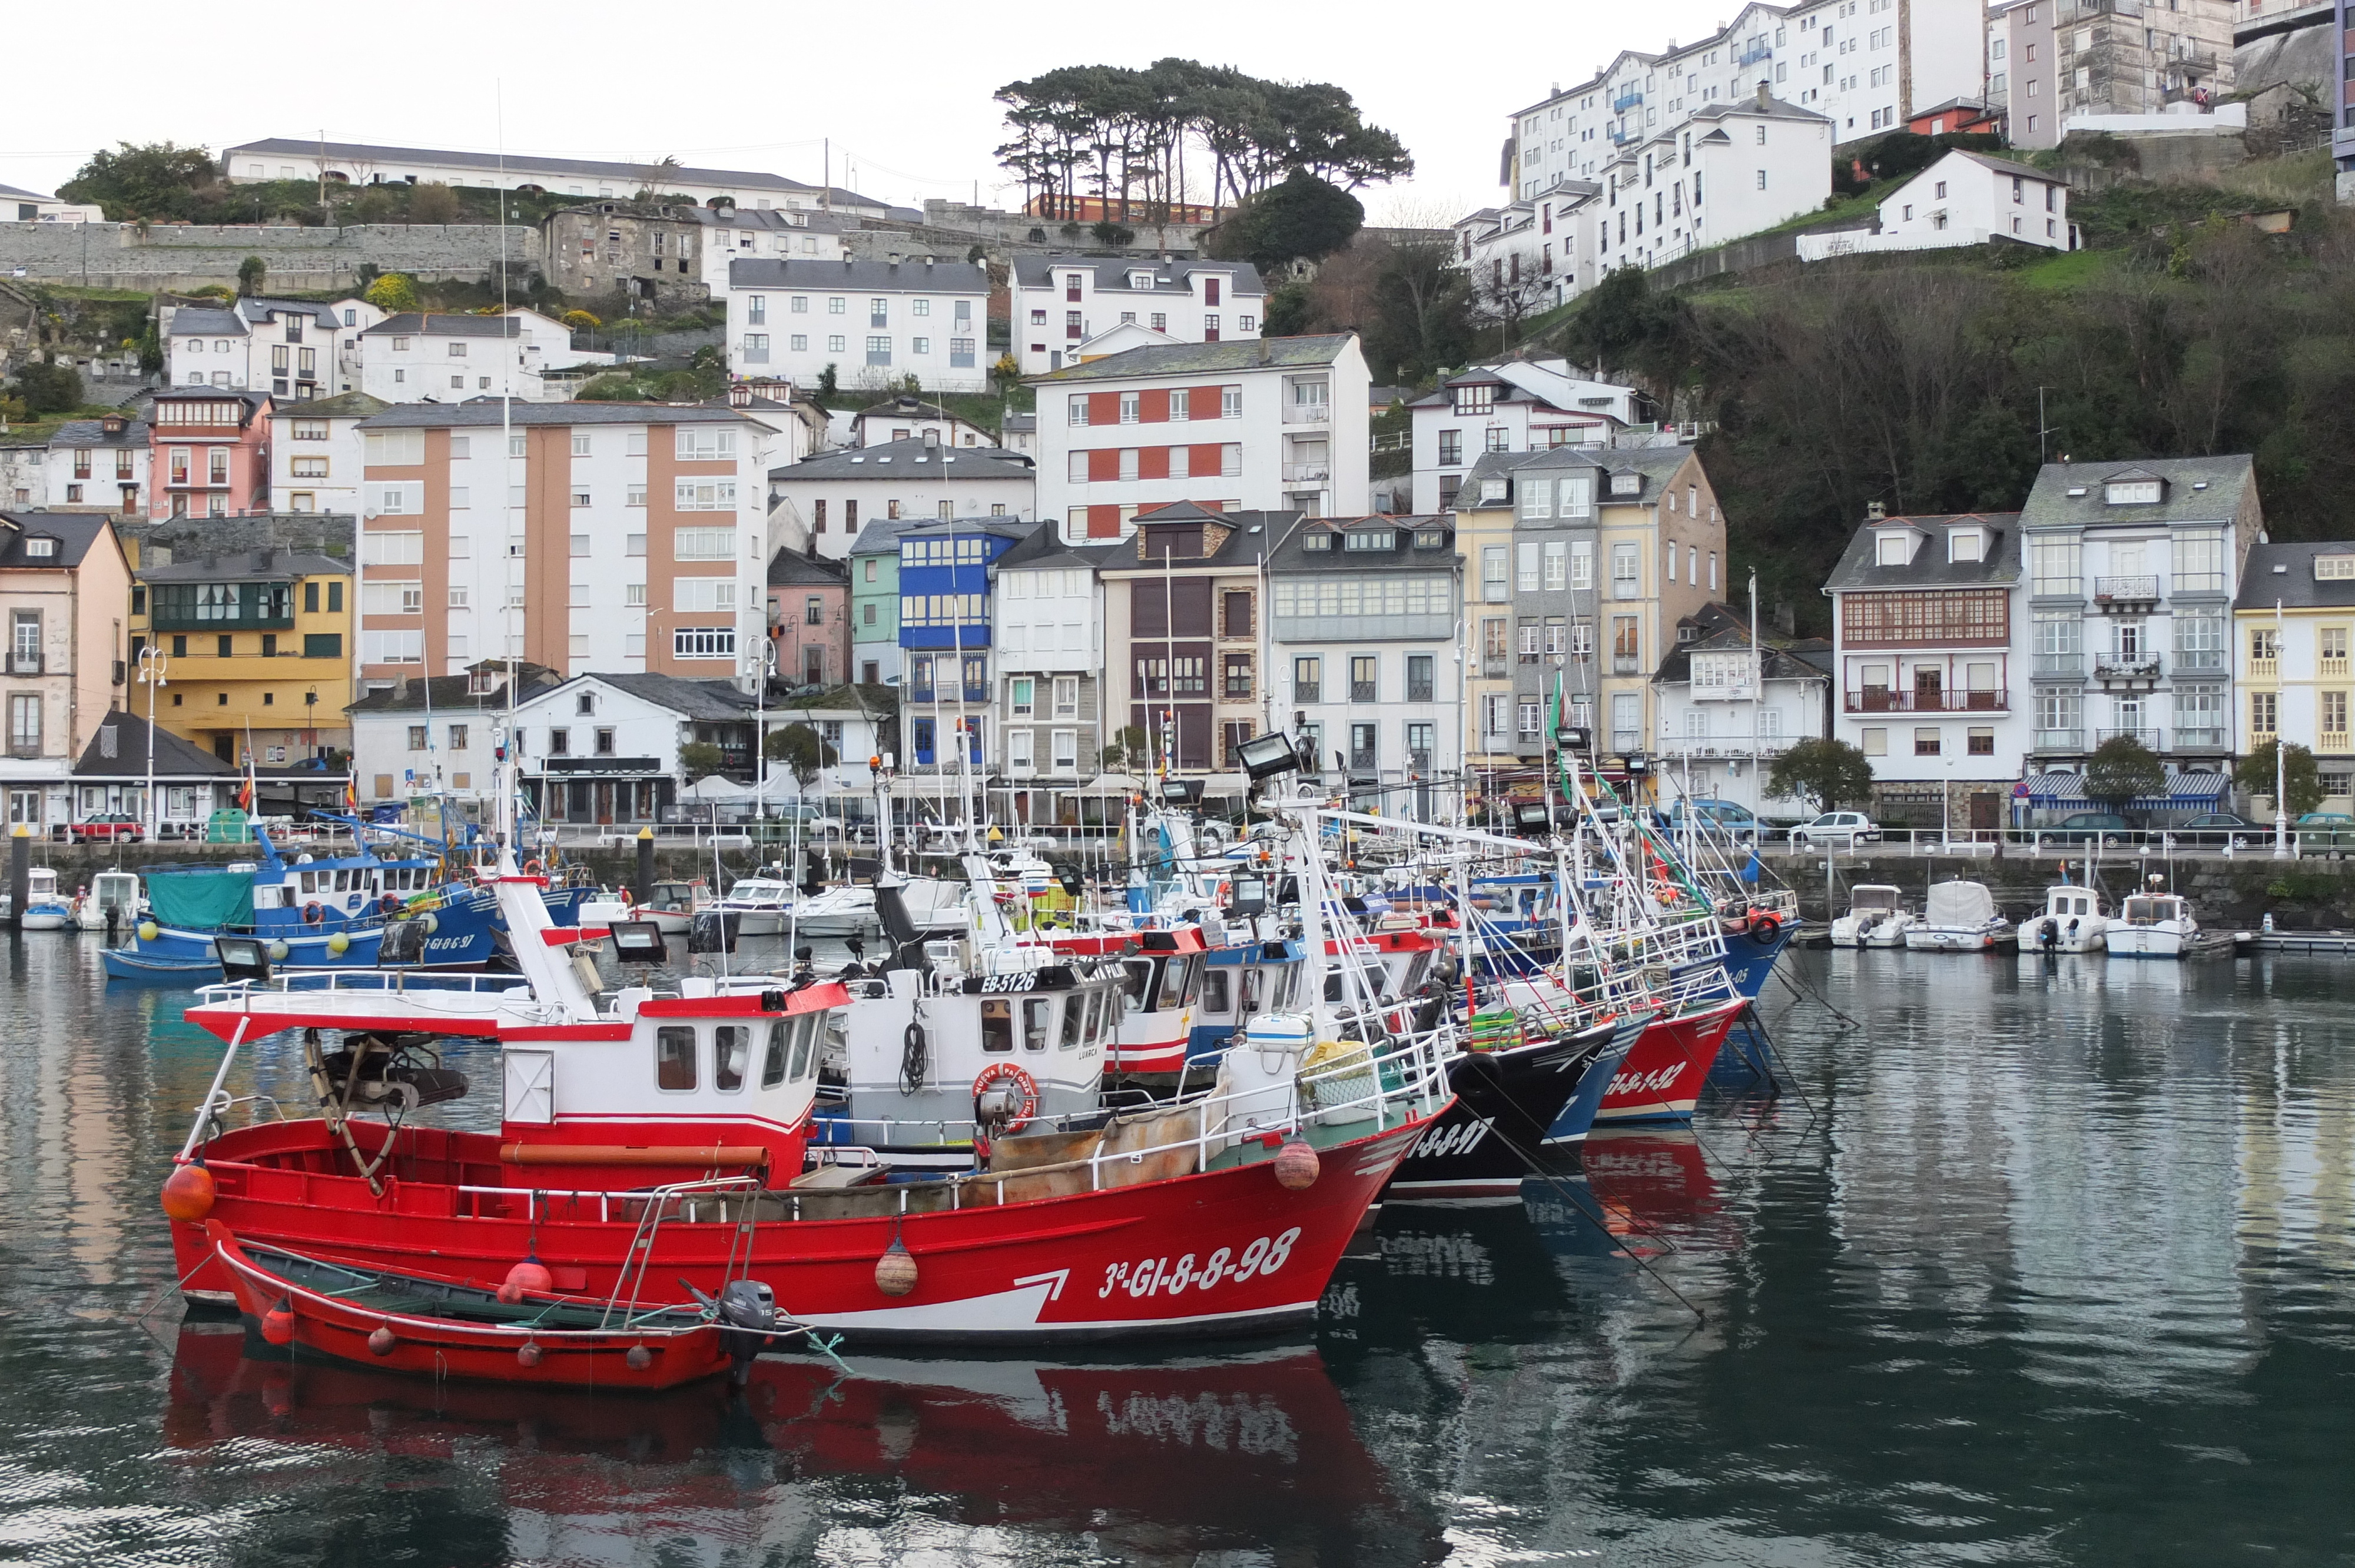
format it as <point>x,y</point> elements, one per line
<point>1010,1073</point>
<point>1764,926</point>
<point>389,903</point>
<point>312,913</point>
<point>531,868</point>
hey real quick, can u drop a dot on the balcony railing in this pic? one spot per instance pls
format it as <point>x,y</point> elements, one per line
<point>1626,100</point>
<point>2331,740</point>
<point>1418,690</point>
<point>1495,666</point>
<point>1307,690</point>
<point>2062,666</point>
<point>1756,52</point>
<point>2153,737</point>
<point>1360,761</point>
<point>2196,738</point>
<point>2126,666</point>
<point>2060,740</point>
<point>2125,590</point>
<point>1880,700</point>
<point>2263,669</point>
<point>1316,472</point>
<point>1308,413</point>
<point>24,663</point>
<point>1624,664</point>
<point>1361,691</point>
<point>1624,741</point>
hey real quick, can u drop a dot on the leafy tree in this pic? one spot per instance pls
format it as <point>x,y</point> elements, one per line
<point>828,386</point>
<point>2123,769</point>
<point>2300,780</point>
<point>1008,370</point>
<point>1305,219</point>
<point>49,388</point>
<point>1828,773</point>
<point>701,759</point>
<point>157,180</point>
<point>432,204</point>
<point>1128,749</point>
<point>1289,307</point>
<point>394,291</point>
<point>581,321</point>
<point>1115,235</point>
<point>250,274</point>
<point>801,748</point>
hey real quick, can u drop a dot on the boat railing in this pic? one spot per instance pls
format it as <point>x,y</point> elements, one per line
<point>231,992</point>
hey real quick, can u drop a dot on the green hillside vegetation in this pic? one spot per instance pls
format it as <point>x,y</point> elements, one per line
<point>1914,380</point>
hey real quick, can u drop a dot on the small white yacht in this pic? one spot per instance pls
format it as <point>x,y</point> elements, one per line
<point>2153,925</point>
<point>2073,922</point>
<point>110,891</point>
<point>1876,918</point>
<point>935,905</point>
<point>1958,917</point>
<point>45,909</point>
<point>762,904</point>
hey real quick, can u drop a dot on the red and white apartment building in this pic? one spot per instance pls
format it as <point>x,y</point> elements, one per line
<point>1273,424</point>
<point>209,453</point>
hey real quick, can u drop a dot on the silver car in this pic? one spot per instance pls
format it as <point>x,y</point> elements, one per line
<point>1836,830</point>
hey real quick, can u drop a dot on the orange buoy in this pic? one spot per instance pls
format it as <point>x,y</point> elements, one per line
<point>380,1343</point>
<point>528,1354</point>
<point>510,1295</point>
<point>895,1271</point>
<point>1296,1166</point>
<point>530,1275</point>
<point>188,1194</point>
<point>278,1323</point>
<point>640,1358</point>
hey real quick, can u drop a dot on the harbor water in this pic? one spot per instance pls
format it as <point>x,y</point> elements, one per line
<point>2032,1261</point>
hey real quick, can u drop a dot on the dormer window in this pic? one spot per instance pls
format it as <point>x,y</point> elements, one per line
<point>1140,279</point>
<point>1479,399</point>
<point>1492,493</point>
<point>1372,539</point>
<point>1627,484</point>
<point>1892,549</point>
<point>1967,544</point>
<point>2334,568</point>
<point>2133,491</point>
<point>1430,539</point>
<point>39,548</point>
<point>1316,539</point>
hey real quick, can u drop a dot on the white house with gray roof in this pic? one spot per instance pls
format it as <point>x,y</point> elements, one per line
<point>1964,198</point>
<point>1061,301</point>
<point>1728,171</point>
<point>819,504</point>
<point>1510,406</point>
<point>428,357</point>
<point>99,465</point>
<point>874,324</point>
<point>292,349</point>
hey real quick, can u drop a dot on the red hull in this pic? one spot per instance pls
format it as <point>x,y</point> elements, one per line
<point>1227,1251</point>
<point>427,1347</point>
<point>1661,1079</point>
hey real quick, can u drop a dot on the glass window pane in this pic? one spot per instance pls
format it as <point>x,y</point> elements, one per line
<point>674,1057</point>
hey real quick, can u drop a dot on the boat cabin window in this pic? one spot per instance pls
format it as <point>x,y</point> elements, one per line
<point>674,1056</point>
<point>732,1054</point>
<point>1075,1018</point>
<point>1876,898</point>
<point>1038,1022</point>
<point>805,1044</point>
<point>773,1066</point>
<point>1137,977</point>
<point>1180,980</point>
<point>670,894</point>
<point>1254,989</point>
<point>996,1024</point>
<point>1415,965</point>
<point>1218,990</point>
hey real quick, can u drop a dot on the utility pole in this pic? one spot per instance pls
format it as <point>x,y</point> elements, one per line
<point>151,666</point>
<point>2281,752</point>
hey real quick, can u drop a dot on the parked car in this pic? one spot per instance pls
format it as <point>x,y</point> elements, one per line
<point>2085,827</point>
<point>1722,819</point>
<point>108,825</point>
<point>2325,830</point>
<point>1841,830</point>
<point>2219,828</point>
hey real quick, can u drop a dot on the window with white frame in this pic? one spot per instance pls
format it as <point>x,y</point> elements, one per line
<point>702,495</point>
<point>702,596</point>
<point>703,642</point>
<point>703,545</point>
<point>704,443</point>
<point>379,548</point>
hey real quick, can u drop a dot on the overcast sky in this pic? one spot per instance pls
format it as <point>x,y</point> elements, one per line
<point>903,90</point>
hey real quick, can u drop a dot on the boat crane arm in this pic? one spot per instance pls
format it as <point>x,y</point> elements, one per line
<point>1426,829</point>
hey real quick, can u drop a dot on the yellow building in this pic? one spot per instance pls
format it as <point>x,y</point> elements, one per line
<point>253,644</point>
<point>2293,627</point>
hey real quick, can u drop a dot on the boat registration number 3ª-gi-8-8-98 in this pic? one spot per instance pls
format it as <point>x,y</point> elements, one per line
<point>1146,1275</point>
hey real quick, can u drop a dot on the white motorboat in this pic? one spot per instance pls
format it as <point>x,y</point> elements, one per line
<point>670,907</point>
<point>1876,918</point>
<point>110,891</point>
<point>2153,925</point>
<point>760,904</point>
<point>1958,917</point>
<point>45,910</point>
<point>2073,922</point>
<point>935,905</point>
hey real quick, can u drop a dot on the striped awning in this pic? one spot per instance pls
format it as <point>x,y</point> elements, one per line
<point>2183,789</point>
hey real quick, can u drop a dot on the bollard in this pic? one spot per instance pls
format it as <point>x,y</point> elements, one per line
<point>642,885</point>
<point>20,873</point>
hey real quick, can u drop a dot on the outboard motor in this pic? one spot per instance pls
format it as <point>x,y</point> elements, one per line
<point>2049,938</point>
<point>748,1325</point>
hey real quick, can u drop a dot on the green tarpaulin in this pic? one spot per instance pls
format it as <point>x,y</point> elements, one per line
<point>201,900</point>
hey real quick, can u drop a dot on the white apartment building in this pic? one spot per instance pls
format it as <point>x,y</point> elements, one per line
<point>2023,75</point>
<point>818,504</point>
<point>97,465</point>
<point>1510,406</point>
<point>1727,709</point>
<point>316,453</point>
<point>31,207</point>
<point>1046,628</point>
<point>1538,252</point>
<point>420,356</point>
<point>874,324</point>
<point>1964,198</point>
<point>1865,65</point>
<point>908,417</point>
<point>1272,424</point>
<point>1726,171</point>
<point>616,536</point>
<point>288,348</point>
<point>361,163</point>
<point>1060,302</point>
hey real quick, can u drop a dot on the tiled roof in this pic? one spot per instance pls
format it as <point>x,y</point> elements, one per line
<point>791,568</point>
<point>1929,566</point>
<point>75,532</point>
<point>1185,358</point>
<point>118,748</point>
<point>1111,273</point>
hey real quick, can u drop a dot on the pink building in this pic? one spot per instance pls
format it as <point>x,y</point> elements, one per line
<point>809,619</point>
<point>209,454</point>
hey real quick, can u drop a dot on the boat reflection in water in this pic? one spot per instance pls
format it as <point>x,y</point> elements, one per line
<point>1640,1186</point>
<point>1161,1460</point>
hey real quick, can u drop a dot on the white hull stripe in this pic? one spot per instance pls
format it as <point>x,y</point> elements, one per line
<point>1016,1311</point>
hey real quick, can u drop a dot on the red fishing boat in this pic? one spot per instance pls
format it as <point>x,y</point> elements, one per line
<point>689,1115</point>
<point>1662,1078</point>
<point>435,1328</point>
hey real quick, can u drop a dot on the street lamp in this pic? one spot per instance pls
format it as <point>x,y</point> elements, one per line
<point>2281,752</point>
<point>151,666</point>
<point>764,664</point>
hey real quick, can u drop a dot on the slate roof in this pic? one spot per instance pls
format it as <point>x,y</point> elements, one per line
<point>2197,490</point>
<point>1111,273</point>
<point>1015,422</point>
<point>1772,109</point>
<point>715,700</point>
<point>427,324</point>
<point>1248,535</point>
<point>856,274</point>
<point>118,748</point>
<point>889,461</point>
<point>1727,630</point>
<point>206,321</point>
<point>74,531</point>
<point>1929,566</point>
<point>635,175</point>
<point>343,406</point>
<point>2284,573</point>
<point>454,693</point>
<point>247,567</point>
<point>1046,545</point>
<point>92,433</point>
<point>13,194</point>
<point>1290,553</point>
<point>485,411</point>
<point>1233,354</point>
<point>2004,167</point>
<point>791,568</point>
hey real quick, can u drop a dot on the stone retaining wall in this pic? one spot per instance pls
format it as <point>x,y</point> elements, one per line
<point>186,256</point>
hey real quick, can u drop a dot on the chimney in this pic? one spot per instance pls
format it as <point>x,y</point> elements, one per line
<point>1874,511</point>
<point>1761,94</point>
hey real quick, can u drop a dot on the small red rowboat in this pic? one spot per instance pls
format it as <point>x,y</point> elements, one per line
<point>416,1323</point>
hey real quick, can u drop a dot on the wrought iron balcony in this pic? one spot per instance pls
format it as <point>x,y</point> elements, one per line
<point>2060,740</point>
<point>2126,667</point>
<point>2125,590</point>
<point>1882,700</point>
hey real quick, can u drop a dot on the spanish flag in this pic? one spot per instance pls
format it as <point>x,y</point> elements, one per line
<point>351,795</point>
<point>245,793</point>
